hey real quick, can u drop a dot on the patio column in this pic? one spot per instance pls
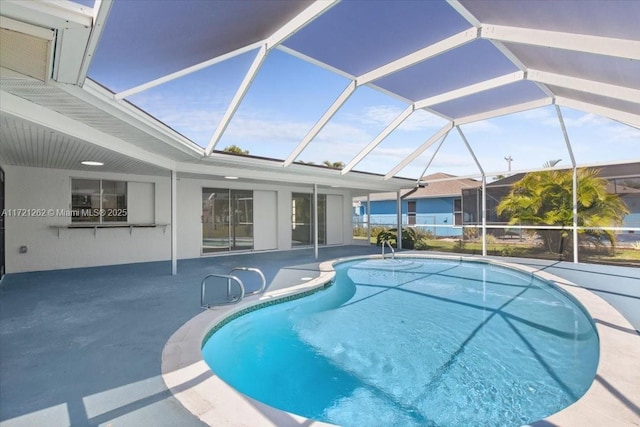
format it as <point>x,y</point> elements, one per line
<point>368,219</point>
<point>575,184</point>
<point>399,220</point>
<point>315,220</point>
<point>484,215</point>
<point>174,221</point>
<point>575,214</point>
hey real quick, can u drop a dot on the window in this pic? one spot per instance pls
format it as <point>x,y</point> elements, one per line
<point>411,212</point>
<point>98,201</point>
<point>457,212</point>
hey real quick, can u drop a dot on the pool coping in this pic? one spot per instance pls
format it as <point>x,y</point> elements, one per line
<point>612,399</point>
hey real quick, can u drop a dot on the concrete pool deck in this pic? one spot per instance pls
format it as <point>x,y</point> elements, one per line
<point>84,346</point>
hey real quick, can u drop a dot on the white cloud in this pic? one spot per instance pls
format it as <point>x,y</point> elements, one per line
<point>484,126</point>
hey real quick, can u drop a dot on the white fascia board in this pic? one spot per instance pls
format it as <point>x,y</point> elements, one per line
<point>315,62</point>
<point>237,98</point>
<point>99,97</point>
<point>101,12</point>
<point>48,14</point>
<point>472,89</point>
<point>411,157</point>
<point>619,48</point>
<point>504,111</point>
<point>70,48</point>
<point>423,54</point>
<point>378,139</point>
<point>320,124</point>
<point>617,115</point>
<point>72,23</point>
<point>270,171</point>
<point>26,110</point>
<point>301,20</point>
<point>22,27</point>
<point>583,85</point>
<point>185,71</point>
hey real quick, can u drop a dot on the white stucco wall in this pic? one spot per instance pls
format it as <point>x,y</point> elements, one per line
<point>48,249</point>
<point>41,190</point>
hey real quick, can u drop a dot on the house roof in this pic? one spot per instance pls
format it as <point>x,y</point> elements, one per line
<point>437,185</point>
<point>606,171</point>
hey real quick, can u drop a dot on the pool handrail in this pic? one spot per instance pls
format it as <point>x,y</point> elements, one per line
<point>255,270</point>
<point>231,278</point>
<point>230,300</point>
<point>393,252</point>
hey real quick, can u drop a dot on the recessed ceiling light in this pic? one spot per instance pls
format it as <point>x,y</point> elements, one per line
<point>230,177</point>
<point>92,163</point>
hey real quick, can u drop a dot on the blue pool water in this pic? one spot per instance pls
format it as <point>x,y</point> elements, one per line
<point>414,342</point>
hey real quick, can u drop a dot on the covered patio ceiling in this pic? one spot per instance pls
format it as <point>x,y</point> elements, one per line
<point>457,62</point>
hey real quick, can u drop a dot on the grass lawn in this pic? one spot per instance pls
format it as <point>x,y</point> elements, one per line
<point>623,256</point>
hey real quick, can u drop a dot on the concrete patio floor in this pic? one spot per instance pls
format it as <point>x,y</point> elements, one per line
<point>83,346</point>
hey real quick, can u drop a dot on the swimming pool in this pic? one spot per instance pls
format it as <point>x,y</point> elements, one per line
<point>414,342</point>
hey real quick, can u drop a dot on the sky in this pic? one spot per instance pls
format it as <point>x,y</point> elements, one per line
<point>289,95</point>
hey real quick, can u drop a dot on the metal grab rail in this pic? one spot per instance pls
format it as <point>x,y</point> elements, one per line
<point>393,252</point>
<point>255,270</point>
<point>229,278</point>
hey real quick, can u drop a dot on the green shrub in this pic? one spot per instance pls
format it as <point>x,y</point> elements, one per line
<point>470,233</point>
<point>491,239</point>
<point>391,235</point>
<point>422,245</point>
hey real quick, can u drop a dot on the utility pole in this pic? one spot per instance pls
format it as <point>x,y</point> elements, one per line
<point>509,159</point>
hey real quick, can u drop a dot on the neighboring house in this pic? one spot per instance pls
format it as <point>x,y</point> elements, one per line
<point>624,180</point>
<point>436,208</point>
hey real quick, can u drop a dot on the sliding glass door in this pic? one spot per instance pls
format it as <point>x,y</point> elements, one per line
<point>302,219</point>
<point>227,220</point>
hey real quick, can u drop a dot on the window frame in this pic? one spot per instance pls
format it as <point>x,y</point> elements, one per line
<point>97,215</point>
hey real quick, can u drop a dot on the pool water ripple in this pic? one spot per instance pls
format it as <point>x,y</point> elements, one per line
<point>414,343</point>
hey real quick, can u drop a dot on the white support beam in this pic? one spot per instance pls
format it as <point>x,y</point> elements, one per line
<point>620,48</point>
<point>435,153</point>
<point>473,154</point>
<point>399,219</point>
<point>505,111</point>
<point>620,116</point>
<point>101,11</point>
<point>21,108</point>
<point>589,86</point>
<point>316,9</point>
<point>320,124</point>
<point>566,136</point>
<point>378,139</point>
<point>455,4</point>
<point>574,191</point>
<point>315,221</point>
<point>187,71</point>
<point>174,223</point>
<point>484,215</point>
<point>411,157</point>
<point>315,62</point>
<point>423,54</point>
<point>237,99</point>
<point>472,89</point>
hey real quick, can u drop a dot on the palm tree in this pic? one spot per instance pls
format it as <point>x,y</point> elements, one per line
<point>545,198</point>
